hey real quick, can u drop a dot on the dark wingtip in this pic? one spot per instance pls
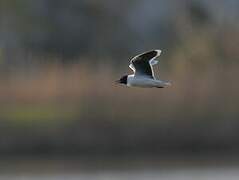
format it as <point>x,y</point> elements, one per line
<point>150,54</point>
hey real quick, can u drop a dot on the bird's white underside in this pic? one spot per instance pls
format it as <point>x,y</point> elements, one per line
<point>144,81</point>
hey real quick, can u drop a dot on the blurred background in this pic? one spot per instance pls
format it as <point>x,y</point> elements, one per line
<point>62,116</point>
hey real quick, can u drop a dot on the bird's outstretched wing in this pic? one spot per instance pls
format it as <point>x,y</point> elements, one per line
<point>142,63</point>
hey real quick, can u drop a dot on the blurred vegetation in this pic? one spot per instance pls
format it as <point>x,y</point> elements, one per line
<point>59,60</point>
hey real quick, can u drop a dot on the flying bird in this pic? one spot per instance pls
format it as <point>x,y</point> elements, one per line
<point>143,76</point>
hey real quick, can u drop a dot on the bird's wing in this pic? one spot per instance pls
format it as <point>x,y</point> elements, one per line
<point>142,64</point>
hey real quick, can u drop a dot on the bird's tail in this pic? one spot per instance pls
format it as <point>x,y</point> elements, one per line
<point>167,83</point>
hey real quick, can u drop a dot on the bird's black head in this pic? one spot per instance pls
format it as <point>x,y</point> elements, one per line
<point>122,80</point>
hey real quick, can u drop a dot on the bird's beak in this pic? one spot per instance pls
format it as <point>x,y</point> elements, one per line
<point>117,82</point>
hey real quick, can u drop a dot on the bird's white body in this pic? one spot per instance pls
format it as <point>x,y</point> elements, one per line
<point>145,82</point>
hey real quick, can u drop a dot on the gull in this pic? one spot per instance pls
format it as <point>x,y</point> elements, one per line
<point>143,76</point>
